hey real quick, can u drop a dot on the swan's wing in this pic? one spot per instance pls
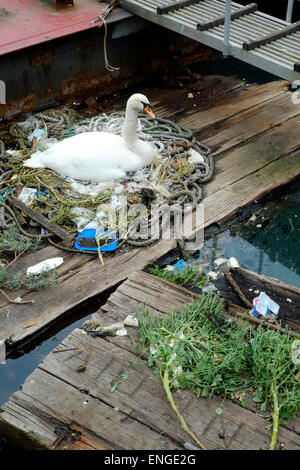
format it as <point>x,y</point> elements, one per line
<point>90,148</point>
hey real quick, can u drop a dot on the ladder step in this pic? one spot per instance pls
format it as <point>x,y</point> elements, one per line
<point>206,14</point>
<point>297,67</point>
<point>176,5</point>
<point>280,33</point>
<point>252,7</point>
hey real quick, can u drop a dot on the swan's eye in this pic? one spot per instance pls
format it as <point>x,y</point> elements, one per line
<point>149,111</point>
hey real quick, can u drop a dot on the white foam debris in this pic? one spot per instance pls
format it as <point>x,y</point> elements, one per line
<point>91,189</point>
<point>209,288</point>
<point>169,268</point>
<point>220,261</point>
<point>195,157</point>
<point>12,153</point>
<point>131,320</point>
<point>233,262</point>
<point>121,332</point>
<point>45,265</point>
<point>213,275</point>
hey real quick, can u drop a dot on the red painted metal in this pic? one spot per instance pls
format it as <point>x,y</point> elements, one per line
<point>24,23</point>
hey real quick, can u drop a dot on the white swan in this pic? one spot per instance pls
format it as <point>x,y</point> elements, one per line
<point>100,156</point>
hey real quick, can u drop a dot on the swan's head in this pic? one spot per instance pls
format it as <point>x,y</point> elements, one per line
<point>140,103</point>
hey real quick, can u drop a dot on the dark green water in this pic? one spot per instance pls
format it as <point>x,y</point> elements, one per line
<point>22,363</point>
<point>267,241</point>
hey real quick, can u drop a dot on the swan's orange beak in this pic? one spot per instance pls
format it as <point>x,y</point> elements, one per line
<point>149,111</point>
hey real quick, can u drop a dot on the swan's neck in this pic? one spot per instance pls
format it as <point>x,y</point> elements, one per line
<point>129,126</point>
<point>142,149</point>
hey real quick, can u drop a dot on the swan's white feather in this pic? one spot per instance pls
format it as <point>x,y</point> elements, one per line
<point>99,156</point>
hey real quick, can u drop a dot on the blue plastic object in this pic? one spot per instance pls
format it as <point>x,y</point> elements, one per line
<point>86,240</point>
<point>180,264</point>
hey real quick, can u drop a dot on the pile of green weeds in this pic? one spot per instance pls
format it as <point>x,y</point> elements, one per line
<point>201,350</point>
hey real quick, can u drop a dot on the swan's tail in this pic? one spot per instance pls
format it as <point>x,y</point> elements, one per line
<point>35,161</point>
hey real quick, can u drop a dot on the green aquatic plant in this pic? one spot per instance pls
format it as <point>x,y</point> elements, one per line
<point>276,376</point>
<point>198,349</point>
<point>182,277</point>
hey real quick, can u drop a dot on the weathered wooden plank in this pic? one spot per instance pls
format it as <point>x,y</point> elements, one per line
<point>89,281</point>
<point>280,33</point>
<point>65,403</point>
<point>154,292</point>
<point>79,273</point>
<point>230,105</point>
<point>138,405</point>
<point>254,156</point>
<point>141,396</point>
<point>223,204</point>
<point>45,395</point>
<point>285,289</point>
<point>207,90</point>
<point>237,13</point>
<point>42,220</point>
<point>70,265</point>
<point>252,122</point>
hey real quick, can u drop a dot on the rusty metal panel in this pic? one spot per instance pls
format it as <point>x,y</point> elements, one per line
<point>25,23</point>
<point>73,67</point>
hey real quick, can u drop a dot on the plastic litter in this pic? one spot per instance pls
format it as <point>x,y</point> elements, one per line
<point>86,240</point>
<point>212,275</point>
<point>28,195</point>
<point>38,133</point>
<point>131,320</point>
<point>46,265</point>
<point>220,261</point>
<point>264,305</point>
<point>233,262</point>
<point>121,332</point>
<point>195,157</point>
<point>169,268</point>
<point>180,264</point>
<point>209,288</point>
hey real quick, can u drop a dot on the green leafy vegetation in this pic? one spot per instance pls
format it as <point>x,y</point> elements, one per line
<point>275,376</point>
<point>200,350</point>
<point>14,280</point>
<point>11,242</point>
<point>182,277</point>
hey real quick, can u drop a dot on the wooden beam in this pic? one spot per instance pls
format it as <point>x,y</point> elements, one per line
<point>40,219</point>
<point>176,6</point>
<point>221,19</point>
<point>278,34</point>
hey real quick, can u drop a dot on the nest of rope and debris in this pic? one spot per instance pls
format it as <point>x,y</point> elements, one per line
<point>41,203</point>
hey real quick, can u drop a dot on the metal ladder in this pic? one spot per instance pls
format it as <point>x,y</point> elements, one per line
<point>241,31</point>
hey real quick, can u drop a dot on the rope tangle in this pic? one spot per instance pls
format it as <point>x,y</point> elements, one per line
<point>101,18</point>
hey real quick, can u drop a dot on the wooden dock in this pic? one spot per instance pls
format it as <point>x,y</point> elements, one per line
<point>59,407</point>
<point>253,133</point>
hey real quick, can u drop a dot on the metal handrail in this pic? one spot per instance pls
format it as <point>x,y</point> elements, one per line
<point>227,22</point>
<point>289,11</point>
